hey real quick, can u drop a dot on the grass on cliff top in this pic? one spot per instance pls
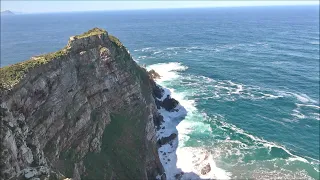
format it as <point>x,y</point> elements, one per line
<point>92,32</point>
<point>115,40</point>
<point>11,75</point>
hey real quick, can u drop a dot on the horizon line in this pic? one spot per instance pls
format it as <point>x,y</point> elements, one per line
<point>166,8</point>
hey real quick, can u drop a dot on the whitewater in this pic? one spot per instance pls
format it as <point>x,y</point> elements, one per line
<point>247,80</point>
<point>184,161</point>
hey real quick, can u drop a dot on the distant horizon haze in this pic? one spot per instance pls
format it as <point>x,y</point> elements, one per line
<point>27,7</point>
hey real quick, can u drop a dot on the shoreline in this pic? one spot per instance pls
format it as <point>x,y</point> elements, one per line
<point>194,163</point>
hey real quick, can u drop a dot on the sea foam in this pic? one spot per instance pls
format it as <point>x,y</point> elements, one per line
<point>178,157</point>
<point>175,157</point>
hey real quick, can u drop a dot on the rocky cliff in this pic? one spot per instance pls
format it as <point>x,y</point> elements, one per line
<point>84,112</point>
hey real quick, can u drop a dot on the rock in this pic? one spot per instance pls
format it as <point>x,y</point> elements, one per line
<point>30,172</point>
<point>169,103</point>
<point>153,74</point>
<point>179,176</point>
<point>157,91</point>
<point>158,119</point>
<point>56,109</point>
<point>205,170</point>
<point>163,176</point>
<point>158,103</point>
<point>35,179</point>
<point>166,140</point>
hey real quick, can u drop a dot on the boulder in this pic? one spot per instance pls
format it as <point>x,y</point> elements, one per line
<point>169,103</point>
<point>153,74</point>
<point>166,140</point>
<point>205,170</point>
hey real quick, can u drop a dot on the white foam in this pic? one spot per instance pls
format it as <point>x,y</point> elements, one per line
<point>188,159</point>
<point>299,96</point>
<point>298,114</point>
<point>265,143</point>
<point>157,52</point>
<point>167,71</point>
<point>194,159</point>
<point>314,42</point>
<point>313,115</point>
<point>176,158</point>
<point>143,49</point>
<point>308,105</point>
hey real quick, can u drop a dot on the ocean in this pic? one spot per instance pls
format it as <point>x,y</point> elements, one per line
<point>247,80</point>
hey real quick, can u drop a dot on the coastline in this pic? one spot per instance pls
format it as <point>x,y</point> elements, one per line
<point>180,162</point>
<point>188,160</point>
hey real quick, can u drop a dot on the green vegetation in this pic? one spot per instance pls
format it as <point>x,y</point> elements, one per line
<point>115,40</point>
<point>11,75</point>
<point>103,49</point>
<point>92,32</point>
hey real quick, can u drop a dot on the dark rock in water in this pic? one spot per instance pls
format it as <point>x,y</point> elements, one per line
<point>206,169</point>
<point>169,103</point>
<point>158,119</point>
<point>166,140</point>
<point>157,91</point>
<point>153,74</point>
<point>179,176</point>
<point>163,176</point>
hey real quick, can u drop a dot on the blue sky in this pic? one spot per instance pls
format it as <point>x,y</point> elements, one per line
<point>69,6</point>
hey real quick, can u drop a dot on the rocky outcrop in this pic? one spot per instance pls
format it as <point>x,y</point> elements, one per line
<point>166,140</point>
<point>169,103</point>
<point>153,74</point>
<point>85,112</point>
<point>206,169</point>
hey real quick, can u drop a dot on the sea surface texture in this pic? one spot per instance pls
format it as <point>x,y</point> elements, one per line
<point>247,77</point>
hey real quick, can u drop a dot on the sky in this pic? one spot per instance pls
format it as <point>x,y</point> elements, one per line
<point>70,6</point>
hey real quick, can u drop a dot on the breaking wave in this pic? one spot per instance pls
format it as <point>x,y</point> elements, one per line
<point>208,139</point>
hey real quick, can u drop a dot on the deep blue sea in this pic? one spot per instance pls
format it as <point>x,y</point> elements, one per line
<point>248,76</point>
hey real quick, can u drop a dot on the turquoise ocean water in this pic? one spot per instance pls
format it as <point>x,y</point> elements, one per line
<point>248,77</point>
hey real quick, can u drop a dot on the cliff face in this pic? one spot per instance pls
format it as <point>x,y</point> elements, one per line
<point>85,112</point>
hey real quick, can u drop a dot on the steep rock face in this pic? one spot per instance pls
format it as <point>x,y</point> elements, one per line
<point>85,112</point>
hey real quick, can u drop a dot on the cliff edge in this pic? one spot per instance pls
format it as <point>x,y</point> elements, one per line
<point>85,112</point>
